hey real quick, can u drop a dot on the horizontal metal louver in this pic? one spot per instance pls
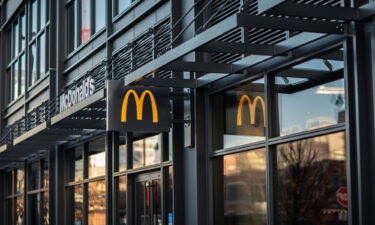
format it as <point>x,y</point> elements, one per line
<point>163,40</point>
<point>221,9</point>
<point>122,64</point>
<point>143,51</point>
<point>234,36</point>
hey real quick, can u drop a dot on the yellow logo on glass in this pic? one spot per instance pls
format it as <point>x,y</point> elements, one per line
<point>252,109</point>
<point>139,105</point>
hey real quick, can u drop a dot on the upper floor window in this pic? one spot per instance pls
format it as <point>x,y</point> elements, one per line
<point>17,66</point>
<point>38,41</point>
<point>122,5</point>
<point>85,18</point>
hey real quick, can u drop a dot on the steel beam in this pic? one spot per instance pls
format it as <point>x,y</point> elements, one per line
<point>289,8</point>
<point>292,24</point>
<point>182,66</point>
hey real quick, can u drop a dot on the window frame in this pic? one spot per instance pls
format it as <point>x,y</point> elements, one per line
<point>16,58</point>
<point>85,181</point>
<point>40,190</point>
<point>272,140</point>
<point>41,31</point>
<point>75,44</point>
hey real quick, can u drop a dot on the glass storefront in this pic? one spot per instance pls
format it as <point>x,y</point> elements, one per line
<point>284,143</point>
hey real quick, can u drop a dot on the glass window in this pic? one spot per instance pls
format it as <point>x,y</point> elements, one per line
<point>20,181</point>
<point>45,174</point>
<point>240,115</point>
<point>85,20</point>
<point>170,196</point>
<point>73,26</point>
<point>310,95</point>
<point>45,208</point>
<point>121,201</point>
<point>147,151</point>
<point>23,31</point>
<point>241,197</point>
<point>42,53</point>
<point>15,40</point>
<point>96,159</point>
<point>43,12</point>
<point>311,181</point>
<point>122,154</point>
<point>34,208</point>
<point>9,183</point>
<point>19,210</point>
<point>34,11</point>
<point>99,17</point>
<point>96,203</point>
<point>34,176</point>
<point>123,4</point>
<point>75,213</point>
<point>23,73</point>
<point>15,80</point>
<point>33,62</point>
<point>75,163</point>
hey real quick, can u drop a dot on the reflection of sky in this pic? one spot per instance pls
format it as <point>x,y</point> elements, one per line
<point>308,109</point>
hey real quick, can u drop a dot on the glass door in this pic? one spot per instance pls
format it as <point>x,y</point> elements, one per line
<point>148,199</point>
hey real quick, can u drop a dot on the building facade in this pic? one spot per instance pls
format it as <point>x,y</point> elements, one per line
<point>268,113</point>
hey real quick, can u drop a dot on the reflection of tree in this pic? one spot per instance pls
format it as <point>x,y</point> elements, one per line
<point>307,182</point>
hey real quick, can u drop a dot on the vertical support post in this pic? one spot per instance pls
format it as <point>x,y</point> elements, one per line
<point>271,120</point>
<point>108,176</point>
<point>360,122</point>
<point>52,180</point>
<point>59,196</point>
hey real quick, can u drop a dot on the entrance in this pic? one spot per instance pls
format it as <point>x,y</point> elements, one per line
<point>148,199</point>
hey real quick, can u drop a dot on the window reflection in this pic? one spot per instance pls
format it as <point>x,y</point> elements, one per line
<point>239,115</point>
<point>100,10</point>
<point>75,203</point>
<point>123,4</point>
<point>45,174</point>
<point>96,160</point>
<point>34,176</point>
<point>122,157</point>
<point>20,182</point>
<point>310,173</point>
<point>121,201</point>
<point>96,203</point>
<point>19,210</point>
<point>147,151</point>
<point>45,209</point>
<point>244,188</point>
<point>311,95</point>
<point>34,208</point>
<point>85,20</point>
<point>75,163</point>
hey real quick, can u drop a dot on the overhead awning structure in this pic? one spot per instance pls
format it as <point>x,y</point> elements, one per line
<point>312,28</point>
<point>313,24</point>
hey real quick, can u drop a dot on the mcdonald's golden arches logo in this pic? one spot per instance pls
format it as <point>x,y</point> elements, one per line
<point>139,102</point>
<point>252,109</point>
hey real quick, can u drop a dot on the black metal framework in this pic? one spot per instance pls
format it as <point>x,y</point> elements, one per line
<point>272,138</point>
<point>37,198</point>
<point>15,196</point>
<point>85,186</point>
<point>126,178</point>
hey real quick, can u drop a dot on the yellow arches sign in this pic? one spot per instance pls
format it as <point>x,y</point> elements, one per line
<point>139,101</point>
<point>137,109</point>
<point>252,109</point>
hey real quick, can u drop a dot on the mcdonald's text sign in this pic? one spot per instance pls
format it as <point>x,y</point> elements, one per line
<point>137,109</point>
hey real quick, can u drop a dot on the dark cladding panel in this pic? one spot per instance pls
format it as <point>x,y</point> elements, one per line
<point>137,109</point>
